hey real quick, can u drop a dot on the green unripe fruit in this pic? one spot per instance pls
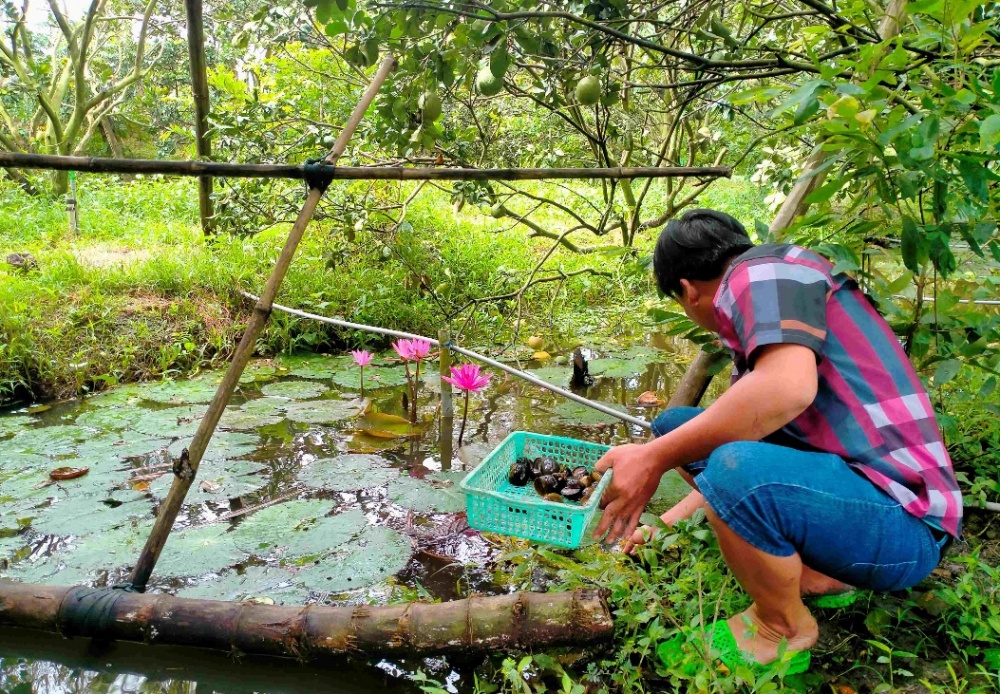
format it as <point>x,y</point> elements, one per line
<point>430,107</point>
<point>588,90</point>
<point>443,289</point>
<point>486,83</point>
<point>498,211</point>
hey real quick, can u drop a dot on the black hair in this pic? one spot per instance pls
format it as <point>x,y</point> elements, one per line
<point>697,246</point>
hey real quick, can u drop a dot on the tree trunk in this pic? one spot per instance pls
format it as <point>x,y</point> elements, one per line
<point>114,144</point>
<point>312,633</point>
<point>696,380</point>
<point>199,84</point>
<point>20,179</point>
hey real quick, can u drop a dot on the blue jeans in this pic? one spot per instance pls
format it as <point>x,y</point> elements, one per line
<point>784,500</point>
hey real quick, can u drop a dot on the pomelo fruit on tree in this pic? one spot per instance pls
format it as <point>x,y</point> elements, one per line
<point>430,106</point>
<point>487,83</point>
<point>588,90</point>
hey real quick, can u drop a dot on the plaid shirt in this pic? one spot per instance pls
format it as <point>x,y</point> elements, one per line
<point>871,408</point>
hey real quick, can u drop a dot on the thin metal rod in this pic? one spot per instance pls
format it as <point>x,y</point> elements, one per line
<point>21,160</point>
<point>468,353</point>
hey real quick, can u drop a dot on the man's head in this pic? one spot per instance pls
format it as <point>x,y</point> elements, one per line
<point>692,254</point>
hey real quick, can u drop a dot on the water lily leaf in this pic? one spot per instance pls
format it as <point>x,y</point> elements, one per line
<point>294,390</point>
<point>200,551</point>
<point>117,547</point>
<point>223,446</point>
<point>378,554</point>
<point>387,426</point>
<point>237,419</point>
<point>254,581</point>
<point>107,418</point>
<point>171,422</point>
<point>266,405</point>
<point>11,549</point>
<point>258,372</point>
<point>556,375</point>
<point>119,446</point>
<point>59,439</point>
<point>323,411</point>
<point>12,424</point>
<point>581,415</point>
<point>349,377</point>
<point>314,365</point>
<point>348,473</point>
<point>215,483</point>
<point>297,528</point>
<point>12,463</point>
<point>83,515</point>
<point>423,496</point>
<point>617,368</point>
<point>197,390</point>
<point>121,395</point>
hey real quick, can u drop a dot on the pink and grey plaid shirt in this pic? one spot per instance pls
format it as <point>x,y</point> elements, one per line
<point>871,408</point>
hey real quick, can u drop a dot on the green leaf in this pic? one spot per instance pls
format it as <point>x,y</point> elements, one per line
<point>378,554</point>
<point>989,133</point>
<point>914,245</point>
<point>975,177</point>
<point>348,473</point>
<point>946,371</point>
<point>297,528</point>
<point>294,390</point>
<point>422,496</point>
<point>499,61</point>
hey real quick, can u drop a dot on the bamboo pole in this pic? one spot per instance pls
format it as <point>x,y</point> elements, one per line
<point>188,465</point>
<point>311,633</point>
<point>343,173</point>
<point>444,362</point>
<point>199,85</point>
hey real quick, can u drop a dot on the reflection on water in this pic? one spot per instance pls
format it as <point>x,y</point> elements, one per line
<point>448,560</point>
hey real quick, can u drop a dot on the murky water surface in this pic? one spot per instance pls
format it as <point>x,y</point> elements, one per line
<point>307,493</point>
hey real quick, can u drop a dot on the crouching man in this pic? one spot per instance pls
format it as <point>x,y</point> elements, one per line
<point>821,468</point>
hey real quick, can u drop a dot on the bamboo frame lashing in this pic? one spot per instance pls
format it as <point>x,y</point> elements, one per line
<point>184,474</point>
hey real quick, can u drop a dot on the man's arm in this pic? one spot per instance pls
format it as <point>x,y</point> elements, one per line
<point>781,386</point>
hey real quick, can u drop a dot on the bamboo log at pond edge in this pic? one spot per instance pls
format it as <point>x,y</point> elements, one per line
<point>313,633</point>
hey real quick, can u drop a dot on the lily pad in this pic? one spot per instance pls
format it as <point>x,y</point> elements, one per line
<point>348,473</point>
<point>11,548</point>
<point>266,405</point>
<point>294,390</point>
<point>121,395</point>
<point>258,373</point>
<point>107,418</point>
<point>171,422</point>
<point>120,546</point>
<point>323,411</point>
<point>618,368</point>
<point>200,389</point>
<point>238,419</point>
<point>556,375</point>
<point>581,415</point>
<point>385,377</point>
<point>387,426</point>
<point>254,582</point>
<point>198,552</point>
<point>13,424</point>
<point>378,554</point>
<point>298,528</point>
<point>223,446</point>
<point>12,463</point>
<point>424,497</point>
<point>313,365</point>
<point>119,446</point>
<point>215,483</point>
<point>59,439</point>
<point>84,515</point>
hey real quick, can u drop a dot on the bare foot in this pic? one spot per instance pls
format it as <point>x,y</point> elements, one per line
<point>815,583</point>
<point>761,641</point>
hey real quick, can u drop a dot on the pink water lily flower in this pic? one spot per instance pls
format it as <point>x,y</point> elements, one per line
<point>420,348</point>
<point>362,357</point>
<point>467,377</point>
<point>404,348</point>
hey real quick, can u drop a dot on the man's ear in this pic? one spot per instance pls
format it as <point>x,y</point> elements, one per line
<point>689,292</point>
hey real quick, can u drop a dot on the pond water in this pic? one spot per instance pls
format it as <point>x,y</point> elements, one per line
<point>307,493</point>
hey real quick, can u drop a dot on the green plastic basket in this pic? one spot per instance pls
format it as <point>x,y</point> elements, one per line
<point>495,505</point>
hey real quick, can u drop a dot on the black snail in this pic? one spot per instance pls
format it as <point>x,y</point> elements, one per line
<point>552,481</point>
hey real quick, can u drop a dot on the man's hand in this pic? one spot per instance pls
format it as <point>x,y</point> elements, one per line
<point>637,474</point>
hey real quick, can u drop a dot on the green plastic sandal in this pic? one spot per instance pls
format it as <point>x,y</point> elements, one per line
<point>832,601</point>
<point>725,648</point>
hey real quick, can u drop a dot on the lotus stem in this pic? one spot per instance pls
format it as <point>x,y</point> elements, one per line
<point>465,416</point>
<point>413,402</point>
<point>362,383</point>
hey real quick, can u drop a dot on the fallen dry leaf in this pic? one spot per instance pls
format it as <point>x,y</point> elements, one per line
<point>649,399</point>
